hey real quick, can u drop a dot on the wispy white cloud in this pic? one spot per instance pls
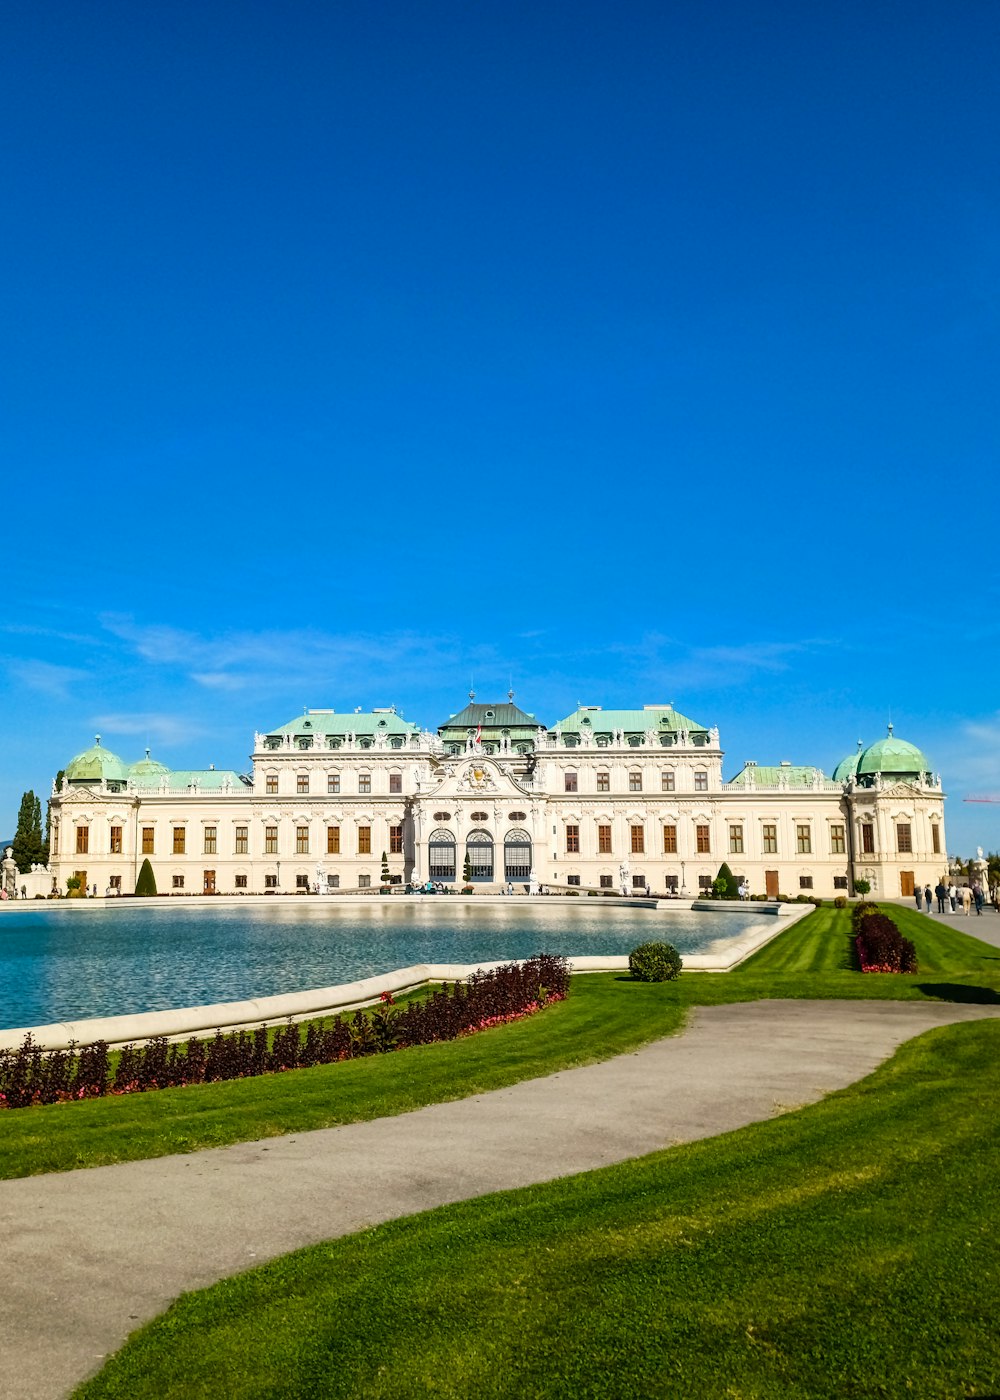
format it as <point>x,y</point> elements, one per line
<point>46,678</point>
<point>310,660</point>
<point>663,660</point>
<point>157,728</point>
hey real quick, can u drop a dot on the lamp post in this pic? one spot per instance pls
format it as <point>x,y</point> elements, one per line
<point>684,888</point>
<point>277,878</point>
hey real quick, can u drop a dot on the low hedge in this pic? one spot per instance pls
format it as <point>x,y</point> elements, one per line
<point>30,1075</point>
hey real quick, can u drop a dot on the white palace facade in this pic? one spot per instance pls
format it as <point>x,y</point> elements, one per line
<point>616,800</point>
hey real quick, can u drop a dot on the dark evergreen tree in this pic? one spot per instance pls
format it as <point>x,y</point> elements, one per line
<point>28,846</point>
<point>146,883</point>
<point>385,869</point>
<point>725,884</point>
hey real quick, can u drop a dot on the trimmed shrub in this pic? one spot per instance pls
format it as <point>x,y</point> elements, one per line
<point>724,884</point>
<point>840,902</point>
<point>655,962</point>
<point>146,883</point>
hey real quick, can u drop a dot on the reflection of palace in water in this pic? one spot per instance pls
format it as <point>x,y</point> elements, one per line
<point>616,800</point>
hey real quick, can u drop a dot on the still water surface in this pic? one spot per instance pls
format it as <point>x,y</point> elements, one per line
<point>66,964</point>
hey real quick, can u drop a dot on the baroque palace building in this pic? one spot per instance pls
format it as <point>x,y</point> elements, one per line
<point>618,800</point>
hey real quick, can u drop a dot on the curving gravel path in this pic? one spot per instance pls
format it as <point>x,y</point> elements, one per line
<point>89,1255</point>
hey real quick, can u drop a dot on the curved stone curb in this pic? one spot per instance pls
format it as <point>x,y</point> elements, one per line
<point>181,1022</point>
<point>90,1255</point>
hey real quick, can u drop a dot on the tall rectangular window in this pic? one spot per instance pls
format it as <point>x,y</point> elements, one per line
<point>569,782</point>
<point>242,840</point>
<point>838,844</point>
<point>803,840</point>
<point>935,838</point>
<point>638,839</point>
<point>333,782</point>
<point>364,840</point>
<point>604,782</point>
<point>667,780</point>
<point>364,782</point>
<point>301,840</point>
<point>271,783</point>
<point>395,782</point>
<point>211,840</point>
<point>82,840</point>
<point>868,838</point>
<point>604,840</point>
<point>572,840</point>
<point>55,838</point>
<point>769,838</point>
<point>180,840</point>
<point>302,782</point>
<point>635,781</point>
<point>116,841</point>
<point>396,840</point>
<point>736,840</point>
<point>904,838</point>
<point>701,781</point>
<point>333,840</point>
<point>670,840</point>
<point>147,840</point>
<point>270,840</point>
<point>702,844</point>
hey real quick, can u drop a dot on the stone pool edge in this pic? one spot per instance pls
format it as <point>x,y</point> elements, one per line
<point>179,1023</point>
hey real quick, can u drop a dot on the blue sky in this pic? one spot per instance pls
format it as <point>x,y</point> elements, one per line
<point>623,353</point>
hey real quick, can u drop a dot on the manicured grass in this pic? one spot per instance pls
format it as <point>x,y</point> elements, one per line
<point>600,1018</point>
<point>604,1015</point>
<point>847,1250</point>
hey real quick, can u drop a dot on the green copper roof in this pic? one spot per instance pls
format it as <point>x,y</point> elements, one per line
<point>499,716</point>
<point>330,722</point>
<point>663,718</point>
<point>96,764</point>
<point>793,775</point>
<point>892,756</point>
<point>207,779</point>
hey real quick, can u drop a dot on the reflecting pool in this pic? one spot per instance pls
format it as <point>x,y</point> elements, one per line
<point>61,964</point>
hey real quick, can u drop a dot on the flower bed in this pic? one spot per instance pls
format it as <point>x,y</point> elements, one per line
<point>30,1075</point>
<point>879,945</point>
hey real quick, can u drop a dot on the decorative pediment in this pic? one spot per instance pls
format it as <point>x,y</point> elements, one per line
<point>477,777</point>
<point>902,790</point>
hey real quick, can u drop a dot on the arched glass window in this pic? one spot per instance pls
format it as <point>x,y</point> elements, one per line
<point>441,855</point>
<point>517,855</point>
<point>479,849</point>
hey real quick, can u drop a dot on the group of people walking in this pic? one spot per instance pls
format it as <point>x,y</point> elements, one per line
<point>968,896</point>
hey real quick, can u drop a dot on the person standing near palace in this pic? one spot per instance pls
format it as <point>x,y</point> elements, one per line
<point>942,895</point>
<point>953,895</point>
<point>966,900</point>
<point>918,895</point>
<point>928,897</point>
<point>977,895</point>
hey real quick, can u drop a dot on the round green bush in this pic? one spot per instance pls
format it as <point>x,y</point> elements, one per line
<point>655,962</point>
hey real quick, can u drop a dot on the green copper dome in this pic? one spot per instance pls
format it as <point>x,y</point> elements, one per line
<point>848,767</point>
<point>892,756</point>
<point>95,765</point>
<point>147,770</point>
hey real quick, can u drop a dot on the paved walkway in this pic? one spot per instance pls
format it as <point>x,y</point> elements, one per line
<point>89,1255</point>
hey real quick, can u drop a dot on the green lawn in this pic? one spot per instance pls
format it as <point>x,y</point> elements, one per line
<point>847,1250</point>
<point>605,1014</point>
